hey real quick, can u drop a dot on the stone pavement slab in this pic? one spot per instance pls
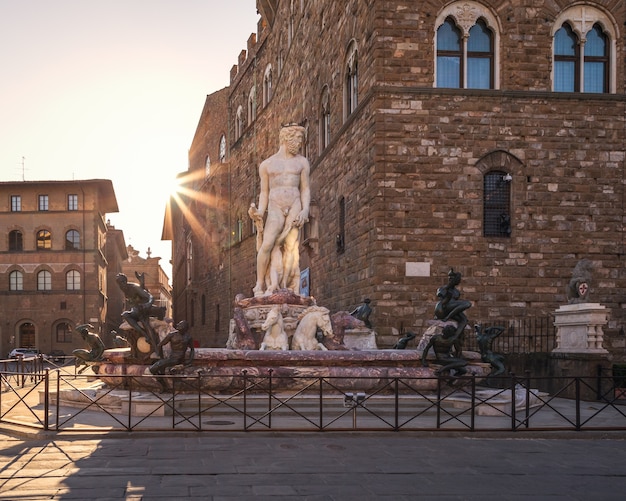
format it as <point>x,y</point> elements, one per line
<point>314,466</point>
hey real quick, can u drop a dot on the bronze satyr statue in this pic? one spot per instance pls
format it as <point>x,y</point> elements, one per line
<point>180,341</point>
<point>452,307</point>
<point>442,345</point>
<point>94,342</point>
<point>485,340</point>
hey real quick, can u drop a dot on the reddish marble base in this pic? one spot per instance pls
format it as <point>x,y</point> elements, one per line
<point>222,370</point>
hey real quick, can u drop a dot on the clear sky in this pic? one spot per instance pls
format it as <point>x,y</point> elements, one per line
<point>113,90</point>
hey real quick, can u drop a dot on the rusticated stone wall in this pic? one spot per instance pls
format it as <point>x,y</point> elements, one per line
<point>409,165</point>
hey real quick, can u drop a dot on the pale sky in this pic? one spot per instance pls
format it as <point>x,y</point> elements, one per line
<point>113,90</point>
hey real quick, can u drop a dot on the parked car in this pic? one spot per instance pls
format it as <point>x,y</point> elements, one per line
<point>25,352</point>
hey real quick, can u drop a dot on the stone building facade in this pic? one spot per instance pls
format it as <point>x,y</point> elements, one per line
<point>488,136</point>
<point>53,265</point>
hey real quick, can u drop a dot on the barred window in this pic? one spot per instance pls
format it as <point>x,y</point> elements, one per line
<point>497,204</point>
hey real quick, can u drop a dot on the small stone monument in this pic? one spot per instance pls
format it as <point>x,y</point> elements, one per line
<point>579,323</point>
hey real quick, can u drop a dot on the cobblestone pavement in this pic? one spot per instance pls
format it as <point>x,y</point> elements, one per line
<point>315,466</point>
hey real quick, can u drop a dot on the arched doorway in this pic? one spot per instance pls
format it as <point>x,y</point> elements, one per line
<point>27,335</point>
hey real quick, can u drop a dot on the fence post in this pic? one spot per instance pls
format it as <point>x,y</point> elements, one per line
<point>473,415</point>
<point>46,401</point>
<point>321,425</point>
<point>397,404</point>
<point>245,403</point>
<point>58,399</point>
<point>577,384</point>
<point>269,402</point>
<point>438,401</point>
<point>513,426</point>
<point>599,383</point>
<point>199,379</point>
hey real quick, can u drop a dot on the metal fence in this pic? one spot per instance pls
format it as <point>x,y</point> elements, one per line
<point>521,336</point>
<point>62,402</point>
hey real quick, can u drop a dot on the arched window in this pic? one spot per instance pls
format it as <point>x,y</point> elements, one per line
<point>497,204</point>
<point>239,123</point>
<point>72,280</point>
<point>466,42</point>
<point>44,240</point>
<point>44,280</point>
<point>449,55</point>
<point>16,242</point>
<point>64,333</point>
<point>72,240</point>
<point>222,148</point>
<point>267,85</point>
<point>207,166</point>
<point>16,281</point>
<point>252,105</point>
<point>480,57</point>
<point>584,51</point>
<point>351,80</point>
<point>324,119</point>
<point>566,60</point>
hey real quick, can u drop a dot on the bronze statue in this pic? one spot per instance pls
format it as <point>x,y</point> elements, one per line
<point>180,341</point>
<point>404,341</point>
<point>363,312</point>
<point>141,308</point>
<point>452,307</point>
<point>94,342</point>
<point>442,344</point>
<point>485,340</point>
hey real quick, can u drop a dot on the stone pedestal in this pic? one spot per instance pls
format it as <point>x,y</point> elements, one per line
<point>360,339</point>
<point>579,328</point>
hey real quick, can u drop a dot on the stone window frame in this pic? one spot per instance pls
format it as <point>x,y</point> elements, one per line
<point>72,242</point>
<point>43,203</point>
<point>324,120</point>
<point>16,203</point>
<point>252,105</point>
<point>72,280</point>
<point>507,165</point>
<point>16,240</point>
<point>16,280</point>
<point>44,280</point>
<point>267,85</point>
<point>222,148</point>
<point>43,239</point>
<point>351,79</point>
<point>239,125</point>
<point>582,18</point>
<point>72,202</point>
<point>466,14</point>
<point>63,332</point>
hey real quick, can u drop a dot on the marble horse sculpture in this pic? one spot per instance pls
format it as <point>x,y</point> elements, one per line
<point>304,338</point>
<point>275,337</point>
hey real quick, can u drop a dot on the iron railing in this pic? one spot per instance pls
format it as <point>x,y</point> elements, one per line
<point>61,402</point>
<point>521,336</point>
